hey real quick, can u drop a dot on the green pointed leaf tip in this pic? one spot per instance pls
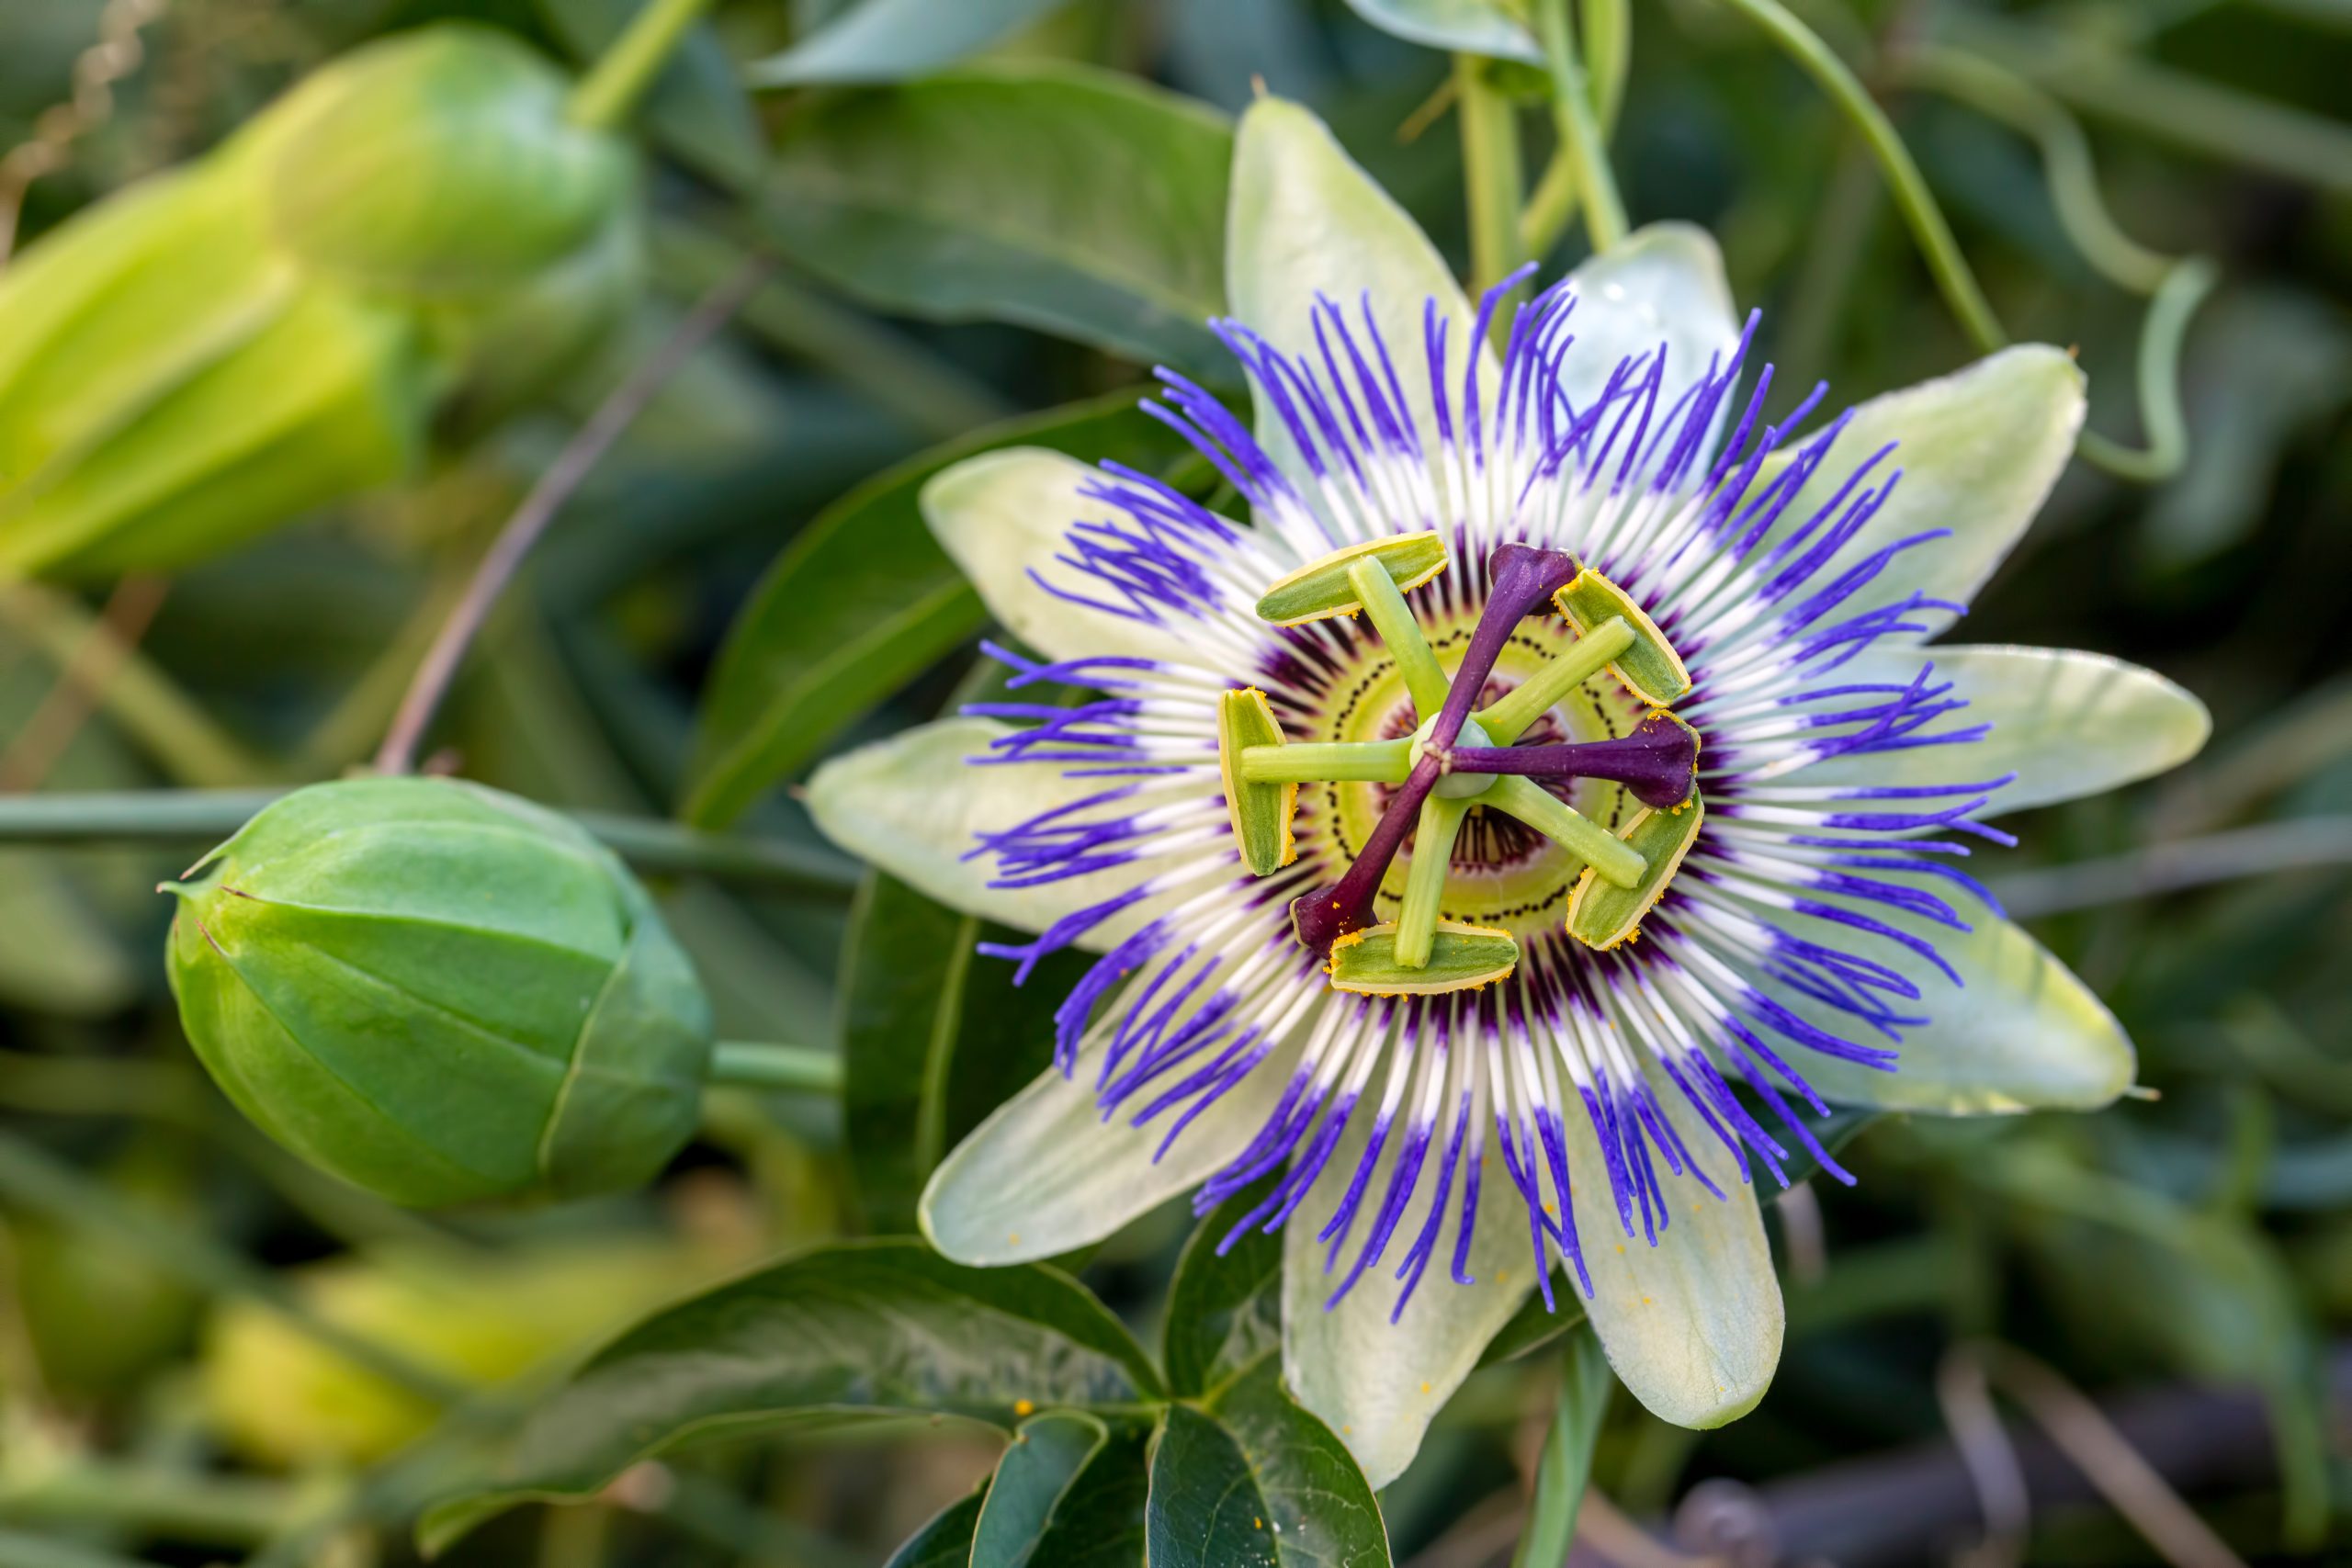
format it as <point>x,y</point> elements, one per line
<point>440,993</point>
<point>1320,589</point>
<point>1260,813</point>
<point>412,233</point>
<point>891,41</point>
<point>876,1330</point>
<point>1650,669</point>
<point>1461,958</point>
<point>1252,1480</point>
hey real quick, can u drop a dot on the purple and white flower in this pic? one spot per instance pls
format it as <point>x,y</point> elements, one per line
<point>1599,1120</point>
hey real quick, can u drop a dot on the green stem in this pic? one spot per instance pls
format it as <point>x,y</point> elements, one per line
<point>1928,227</point>
<point>2000,94</point>
<point>30,1177</point>
<point>620,77</point>
<point>1581,138</point>
<point>1507,718</point>
<point>1385,606</point>
<point>2164,104</point>
<point>1617,861</point>
<point>934,395</point>
<point>766,1064</point>
<point>1608,33</point>
<point>1329,762</point>
<point>2169,313</point>
<point>1425,878</point>
<point>200,817</point>
<point>216,1509</point>
<point>1490,173</point>
<point>162,719</point>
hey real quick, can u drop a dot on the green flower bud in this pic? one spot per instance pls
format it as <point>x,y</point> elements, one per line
<point>415,233</point>
<point>440,993</point>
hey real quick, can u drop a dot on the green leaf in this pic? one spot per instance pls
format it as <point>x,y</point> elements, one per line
<point>946,1541</point>
<point>1566,1464</point>
<point>696,109</point>
<point>1069,1492</point>
<point>1473,27</point>
<point>862,1330</point>
<point>1225,1313</point>
<point>934,1038</point>
<point>1072,200</point>
<point>1254,1481</point>
<point>860,602</point>
<point>890,40</point>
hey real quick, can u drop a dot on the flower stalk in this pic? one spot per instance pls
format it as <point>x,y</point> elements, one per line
<point>626,71</point>
<point>1579,121</point>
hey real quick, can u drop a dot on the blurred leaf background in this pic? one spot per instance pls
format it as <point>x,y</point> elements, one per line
<point>990,217</point>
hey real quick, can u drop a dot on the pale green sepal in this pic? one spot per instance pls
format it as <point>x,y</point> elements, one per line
<point>1469,26</point>
<point>1377,1384</point>
<point>2022,1034</point>
<point>1663,284</point>
<point>1979,450</point>
<point>1461,958</point>
<point>2066,723</point>
<point>912,804</point>
<point>1693,1325</point>
<point>1305,220</point>
<point>1000,514</point>
<point>1320,589</point>
<point>1046,1173</point>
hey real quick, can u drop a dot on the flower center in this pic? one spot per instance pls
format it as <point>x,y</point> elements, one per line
<point>1466,756</point>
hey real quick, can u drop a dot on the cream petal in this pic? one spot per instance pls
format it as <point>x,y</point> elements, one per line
<point>2022,1034</point>
<point>1001,513</point>
<point>1306,221</point>
<point>2066,723</point>
<point>1376,1383</point>
<point>1979,450</point>
<point>912,805</point>
<point>1046,1173</point>
<point>1663,286</point>
<point>1693,1325</point>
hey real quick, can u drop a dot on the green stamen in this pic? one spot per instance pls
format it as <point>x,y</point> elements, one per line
<point>1616,861</point>
<point>1425,878</point>
<point>1385,605</point>
<point>1329,762</point>
<point>1509,718</point>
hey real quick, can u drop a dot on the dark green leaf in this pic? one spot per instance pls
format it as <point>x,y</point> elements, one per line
<point>860,602</point>
<point>1224,1314</point>
<point>933,1038</point>
<point>890,40</point>
<point>946,1541</point>
<point>864,1330</point>
<point>696,108</point>
<point>1068,1492</point>
<point>1585,1384</point>
<point>1532,1328</point>
<point>1256,1482</point>
<point>1072,200</point>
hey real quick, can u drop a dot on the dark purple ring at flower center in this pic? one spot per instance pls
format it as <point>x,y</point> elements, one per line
<point>1523,581</point>
<point>1658,761</point>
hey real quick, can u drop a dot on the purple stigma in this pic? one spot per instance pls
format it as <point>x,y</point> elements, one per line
<point>1658,761</point>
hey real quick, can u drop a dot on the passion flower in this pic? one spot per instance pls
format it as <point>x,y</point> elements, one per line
<point>440,993</point>
<point>416,234</point>
<point>1506,843</point>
